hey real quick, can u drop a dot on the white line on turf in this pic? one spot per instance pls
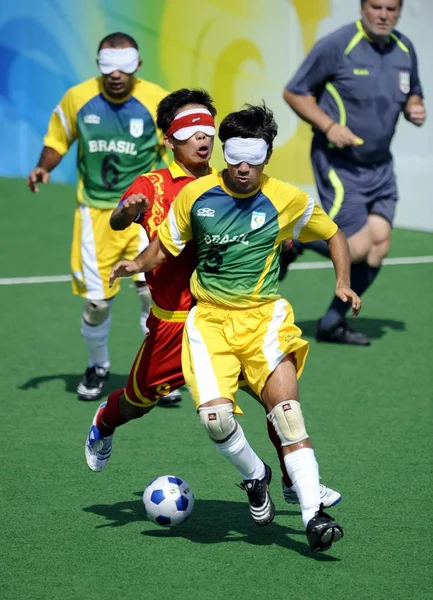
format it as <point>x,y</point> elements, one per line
<point>301,266</point>
<point>326,264</point>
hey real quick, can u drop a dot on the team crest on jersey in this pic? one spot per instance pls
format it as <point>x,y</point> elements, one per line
<point>404,80</point>
<point>257,220</point>
<point>136,127</point>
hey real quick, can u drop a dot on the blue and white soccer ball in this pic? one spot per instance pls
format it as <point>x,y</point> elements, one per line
<point>168,500</point>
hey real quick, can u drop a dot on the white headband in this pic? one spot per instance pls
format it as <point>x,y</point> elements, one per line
<point>250,150</point>
<point>118,59</point>
<point>191,121</point>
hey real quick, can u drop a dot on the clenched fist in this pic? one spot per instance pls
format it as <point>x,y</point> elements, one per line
<point>135,204</point>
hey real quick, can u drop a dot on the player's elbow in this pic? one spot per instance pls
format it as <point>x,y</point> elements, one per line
<point>117,223</point>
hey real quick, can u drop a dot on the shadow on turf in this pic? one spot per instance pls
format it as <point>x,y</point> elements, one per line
<point>372,328</point>
<point>71,381</point>
<point>212,522</point>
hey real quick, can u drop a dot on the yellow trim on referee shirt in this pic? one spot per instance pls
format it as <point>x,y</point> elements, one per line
<point>178,316</point>
<point>339,102</point>
<point>339,194</point>
<point>354,42</point>
<point>399,43</point>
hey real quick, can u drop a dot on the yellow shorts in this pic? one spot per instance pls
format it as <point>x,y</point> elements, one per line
<point>96,248</point>
<point>219,342</point>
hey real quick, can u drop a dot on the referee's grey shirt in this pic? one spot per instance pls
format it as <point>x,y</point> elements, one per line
<point>361,86</point>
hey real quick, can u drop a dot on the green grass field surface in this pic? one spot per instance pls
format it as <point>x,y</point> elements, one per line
<point>68,533</point>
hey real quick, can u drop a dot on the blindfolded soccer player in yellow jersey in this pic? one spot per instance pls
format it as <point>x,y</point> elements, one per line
<point>238,219</point>
<point>113,118</point>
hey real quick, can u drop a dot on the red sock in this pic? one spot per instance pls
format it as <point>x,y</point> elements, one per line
<point>273,436</point>
<point>110,416</point>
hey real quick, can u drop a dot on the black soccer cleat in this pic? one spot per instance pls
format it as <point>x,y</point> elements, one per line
<point>323,531</point>
<point>262,508</point>
<point>91,386</point>
<point>341,333</point>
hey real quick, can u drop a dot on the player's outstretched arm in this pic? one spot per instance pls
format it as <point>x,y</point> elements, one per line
<point>124,214</point>
<point>340,256</point>
<point>150,258</point>
<point>48,160</point>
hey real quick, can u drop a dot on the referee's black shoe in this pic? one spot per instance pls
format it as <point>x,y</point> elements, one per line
<point>341,333</point>
<point>289,253</point>
<point>323,531</point>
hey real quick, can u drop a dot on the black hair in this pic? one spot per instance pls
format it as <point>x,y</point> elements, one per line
<point>364,1</point>
<point>118,40</point>
<point>169,105</point>
<point>250,122</point>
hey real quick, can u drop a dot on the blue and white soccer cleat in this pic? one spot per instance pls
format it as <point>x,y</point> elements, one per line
<point>172,398</point>
<point>328,497</point>
<point>98,448</point>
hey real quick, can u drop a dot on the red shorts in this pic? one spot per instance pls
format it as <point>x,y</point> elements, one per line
<point>157,368</point>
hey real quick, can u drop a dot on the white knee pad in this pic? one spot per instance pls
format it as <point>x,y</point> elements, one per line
<point>288,422</point>
<point>95,312</point>
<point>218,421</point>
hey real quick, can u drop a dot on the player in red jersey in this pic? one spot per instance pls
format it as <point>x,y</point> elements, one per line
<point>186,118</point>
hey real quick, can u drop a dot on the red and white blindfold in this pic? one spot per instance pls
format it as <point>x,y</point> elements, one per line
<point>189,122</point>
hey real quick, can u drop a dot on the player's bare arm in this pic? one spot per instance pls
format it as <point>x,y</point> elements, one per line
<point>148,260</point>
<point>340,256</point>
<point>414,111</point>
<point>124,214</point>
<point>308,110</point>
<point>41,174</point>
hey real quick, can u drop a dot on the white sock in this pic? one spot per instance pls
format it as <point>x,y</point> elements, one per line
<point>303,470</point>
<point>96,337</point>
<point>242,456</point>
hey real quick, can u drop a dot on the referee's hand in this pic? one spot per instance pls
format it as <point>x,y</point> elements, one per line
<point>341,136</point>
<point>416,114</point>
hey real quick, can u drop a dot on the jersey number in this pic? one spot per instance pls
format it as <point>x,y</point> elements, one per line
<point>214,259</point>
<point>109,172</point>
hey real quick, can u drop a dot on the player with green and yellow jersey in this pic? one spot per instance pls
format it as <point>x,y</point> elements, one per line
<point>113,119</point>
<point>238,220</point>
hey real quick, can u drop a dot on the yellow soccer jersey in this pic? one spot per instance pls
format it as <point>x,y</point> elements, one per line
<point>117,140</point>
<point>238,236</point>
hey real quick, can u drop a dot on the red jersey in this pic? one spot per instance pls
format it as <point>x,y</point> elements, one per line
<point>169,283</point>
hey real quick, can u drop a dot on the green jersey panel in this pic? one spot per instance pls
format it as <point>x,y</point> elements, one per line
<point>117,141</point>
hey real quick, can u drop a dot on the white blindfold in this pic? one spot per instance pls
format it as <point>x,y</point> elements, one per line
<point>250,150</point>
<point>118,59</point>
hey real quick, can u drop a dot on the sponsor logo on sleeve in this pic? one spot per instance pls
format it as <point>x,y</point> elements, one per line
<point>92,119</point>
<point>205,212</point>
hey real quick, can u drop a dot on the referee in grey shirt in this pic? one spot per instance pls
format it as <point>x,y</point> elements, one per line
<point>351,88</point>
